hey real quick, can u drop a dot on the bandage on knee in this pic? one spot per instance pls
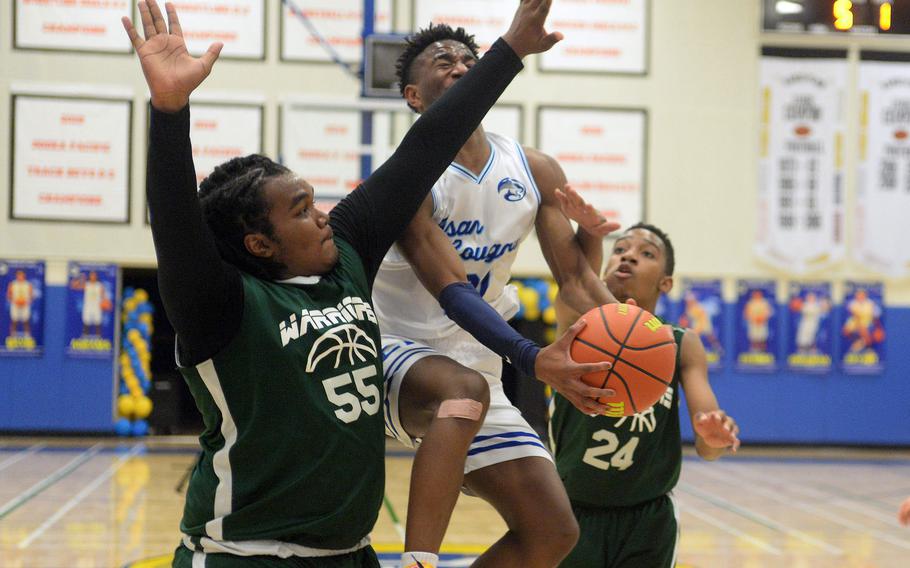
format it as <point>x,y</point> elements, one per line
<point>460,408</point>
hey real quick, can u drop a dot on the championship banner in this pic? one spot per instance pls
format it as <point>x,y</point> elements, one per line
<point>883,185</point>
<point>703,313</point>
<point>756,325</point>
<point>603,154</point>
<point>801,182</point>
<point>22,319</point>
<point>71,25</point>
<point>71,158</point>
<point>863,328</point>
<point>486,20</point>
<point>221,131</point>
<point>238,24</point>
<point>810,329</point>
<point>91,309</point>
<point>338,23</point>
<point>601,37</point>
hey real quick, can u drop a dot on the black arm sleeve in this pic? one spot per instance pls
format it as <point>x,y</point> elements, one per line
<point>373,216</point>
<point>203,295</point>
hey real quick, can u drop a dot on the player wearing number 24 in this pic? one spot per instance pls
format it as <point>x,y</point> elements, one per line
<point>619,472</point>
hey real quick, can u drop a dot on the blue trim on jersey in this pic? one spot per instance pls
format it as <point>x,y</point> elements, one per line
<point>402,359</point>
<point>506,435</point>
<point>386,352</point>
<point>504,445</point>
<point>483,173</point>
<point>524,162</point>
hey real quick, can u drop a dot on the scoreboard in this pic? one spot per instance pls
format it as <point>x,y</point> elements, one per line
<point>876,17</point>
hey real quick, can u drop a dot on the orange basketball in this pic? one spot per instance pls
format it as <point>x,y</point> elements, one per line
<point>641,348</point>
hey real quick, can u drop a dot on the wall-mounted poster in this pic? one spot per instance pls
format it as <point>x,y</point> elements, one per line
<point>756,325</point>
<point>810,337</point>
<point>800,225</point>
<point>91,309</point>
<point>703,312</point>
<point>71,25</point>
<point>486,20</point>
<point>22,319</point>
<point>600,37</point>
<point>603,154</point>
<point>238,24</point>
<point>883,183</point>
<point>863,328</point>
<point>308,26</point>
<point>221,131</point>
<point>71,158</point>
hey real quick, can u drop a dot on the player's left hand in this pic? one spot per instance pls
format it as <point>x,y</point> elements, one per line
<point>554,366</point>
<point>583,213</point>
<point>717,429</point>
<point>904,514</point>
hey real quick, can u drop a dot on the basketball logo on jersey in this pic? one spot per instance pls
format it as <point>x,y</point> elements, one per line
<point>511,189</point>
<point>339,340</point>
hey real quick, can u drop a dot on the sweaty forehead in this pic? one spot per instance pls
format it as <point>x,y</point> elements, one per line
<point>447,48</point>
<point>643,235</point>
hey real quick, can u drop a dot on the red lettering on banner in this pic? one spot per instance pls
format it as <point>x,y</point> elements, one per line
<point>605,186</point>
<point>594,51</point>
<point>84,29</point>
<point>336,129</point>
<point>592,158</point>
<point>72,119</point>
<point>592,130</point>
<point>206,124</point>
<point>45,171</point>
<point>211,8</point>
<point>48,145</point>
<point>74,199</point>
<point>211,35</point>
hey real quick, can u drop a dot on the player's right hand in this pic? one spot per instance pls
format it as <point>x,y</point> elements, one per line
<point>555,366</point>
<point>527,34</point>
<point>170,71</point>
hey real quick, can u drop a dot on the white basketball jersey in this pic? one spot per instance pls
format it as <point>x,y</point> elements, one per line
<point>485,217</point>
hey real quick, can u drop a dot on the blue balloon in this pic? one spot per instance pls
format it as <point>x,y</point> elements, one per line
<point>128,291</point>
<point>140,428</point>
<point>123,388</point>
<point>123,427</point>
<point>542,287</point>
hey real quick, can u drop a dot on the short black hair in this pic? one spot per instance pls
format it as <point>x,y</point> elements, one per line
<point>420,40</point>
<point>670,257</point>
<point>234,205</point>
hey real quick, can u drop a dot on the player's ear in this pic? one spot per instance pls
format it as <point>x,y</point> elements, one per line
<point>259,245</point>
<point>665,284</point>
<point>412,96</point>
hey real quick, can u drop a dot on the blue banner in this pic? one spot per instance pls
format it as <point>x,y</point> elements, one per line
<point>702,312</point>
<point>863,328</point>
<point>756,325</point>
<point>810,327</point>
<point>22,319</point>
<point>91,314</point>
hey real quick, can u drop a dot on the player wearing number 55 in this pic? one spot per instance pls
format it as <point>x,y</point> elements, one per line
<point>619,472</point>
<point>270,298</point>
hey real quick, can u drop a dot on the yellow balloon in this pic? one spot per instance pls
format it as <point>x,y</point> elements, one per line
<point>129,306</point>
<point>141,295</point>
<point>133,335</point>
<point>126,406</point>
<point>552,290</point>
<point>143,406</point>
<point>549,315</point>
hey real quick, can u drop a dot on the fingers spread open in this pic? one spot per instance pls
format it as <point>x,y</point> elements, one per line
<point>157,17</point>
<point>148,26</point>
<point>173,22</point>
<point>131,32</point>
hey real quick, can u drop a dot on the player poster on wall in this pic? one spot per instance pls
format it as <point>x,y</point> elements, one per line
<point>756,325</point>
<point>863,328</point>
<point>800,225</point>
<point>703,312</point>
<point>810,327</point>
<point>91,309</point>
<point>883,180</point>
<point>22,317</point>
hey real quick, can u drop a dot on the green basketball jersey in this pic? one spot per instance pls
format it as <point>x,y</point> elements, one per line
<point>293,446</point>
<point>618,462</point>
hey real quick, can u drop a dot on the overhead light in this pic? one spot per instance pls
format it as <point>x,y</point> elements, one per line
<point>788,7</point>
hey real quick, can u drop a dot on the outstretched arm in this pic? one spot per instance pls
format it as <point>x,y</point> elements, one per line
<point>372,217</point>
<point>715,432</point>
<point>579,286</point>
<point>592,226</point>
<point>202,295</point>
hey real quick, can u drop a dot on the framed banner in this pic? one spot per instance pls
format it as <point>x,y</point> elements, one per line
<point>801,182</point>
<point>71,26</point>
<point>863,328</point>
<point>22,319</point>
<point>883,185</point>
<point>224,130</point>
<point>70,158</point>
<point>238,24</point>
<point>703,312</point>
<point>756,325</point>
<point>601,37</point>
<point>603,152</point>
<point>486,20</point>
<point>91,309</point>
<point>810,327</point>
<point>307,27</point>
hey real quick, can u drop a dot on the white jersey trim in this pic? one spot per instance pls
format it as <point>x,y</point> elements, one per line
<point>268,548</point>
<point>221,461</point>
<point>483,173</point>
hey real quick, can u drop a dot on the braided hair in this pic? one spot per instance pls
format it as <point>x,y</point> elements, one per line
<point>419,41</point>
<point>234,205</point>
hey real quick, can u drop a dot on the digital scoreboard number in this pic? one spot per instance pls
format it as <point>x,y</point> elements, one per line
<point>886,17</point>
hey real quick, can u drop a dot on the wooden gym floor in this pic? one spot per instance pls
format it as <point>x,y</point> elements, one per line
<point>86,503</point>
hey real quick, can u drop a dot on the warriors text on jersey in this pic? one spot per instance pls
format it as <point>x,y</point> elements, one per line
<point>322,383</point>
<point>619,462</point>
<point>485,217</point>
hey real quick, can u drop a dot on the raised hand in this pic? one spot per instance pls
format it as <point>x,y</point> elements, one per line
<point>555,367</point>
<point>717,429</point>
<point>527,34</point>
<point>583,213</point>
<point>170,71</point>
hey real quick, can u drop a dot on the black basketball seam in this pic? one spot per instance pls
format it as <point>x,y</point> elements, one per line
<point>650,346</point>
<point>595,347</point>
<point>622,344</point>
<point>628,392</point>
<point>646,373</point>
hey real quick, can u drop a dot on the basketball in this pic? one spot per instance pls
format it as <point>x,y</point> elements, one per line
<point>641,348</point>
